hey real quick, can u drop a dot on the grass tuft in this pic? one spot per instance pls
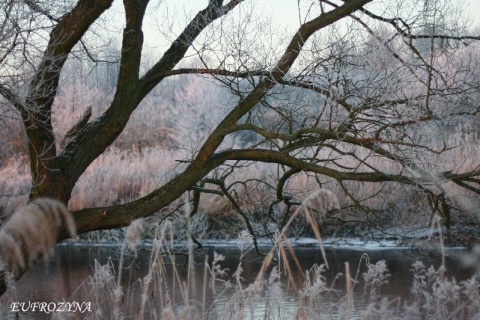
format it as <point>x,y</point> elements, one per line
<point>32,231</point>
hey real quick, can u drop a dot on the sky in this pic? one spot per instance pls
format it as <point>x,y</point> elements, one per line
<point>474,9</point>
<point>283,8</point>
<point>283,12</point>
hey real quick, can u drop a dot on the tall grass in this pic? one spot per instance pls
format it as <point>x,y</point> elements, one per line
<point>219,293</point>
<point>31,232</point>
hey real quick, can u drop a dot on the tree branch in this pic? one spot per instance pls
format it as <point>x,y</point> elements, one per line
<point>407,34</point>
<point>130,89</point>
<point>79,152</point>
<point>179,47</point>
<point>36,110</point>
<point>205,161</point>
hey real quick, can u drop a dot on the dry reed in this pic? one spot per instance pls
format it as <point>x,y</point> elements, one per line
<point>320,202</point>
<point>32,232</point>
<point>265,297</point>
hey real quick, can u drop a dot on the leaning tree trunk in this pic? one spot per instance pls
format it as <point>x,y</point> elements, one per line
<point>55,172</point>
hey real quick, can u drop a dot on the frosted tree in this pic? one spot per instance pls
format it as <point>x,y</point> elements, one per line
<point>347,95</point>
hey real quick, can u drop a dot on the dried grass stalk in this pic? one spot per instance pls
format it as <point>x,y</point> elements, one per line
<point>32,232</point>
<point>320,202</point>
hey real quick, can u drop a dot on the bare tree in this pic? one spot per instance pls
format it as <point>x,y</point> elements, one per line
<point>350,86</point>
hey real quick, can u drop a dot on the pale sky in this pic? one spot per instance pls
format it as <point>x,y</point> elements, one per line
<point>283,8</point>
<point>474,9</point>
<point>282,11</point>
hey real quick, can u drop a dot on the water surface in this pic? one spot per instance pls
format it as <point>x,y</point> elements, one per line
<point>65,277</point>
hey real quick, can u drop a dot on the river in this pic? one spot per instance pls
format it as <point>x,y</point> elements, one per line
<point>67,277</point>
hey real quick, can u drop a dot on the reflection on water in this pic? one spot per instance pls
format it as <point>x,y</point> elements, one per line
<point>61,277</point>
